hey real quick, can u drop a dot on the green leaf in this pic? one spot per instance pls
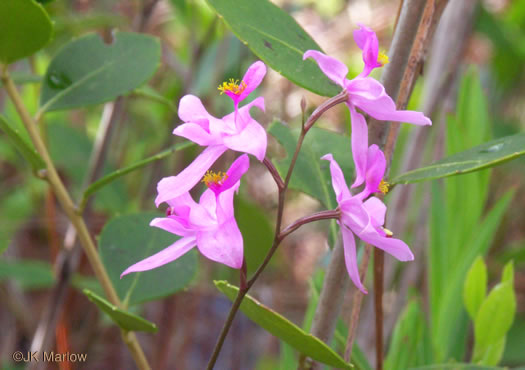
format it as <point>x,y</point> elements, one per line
<point>494,352</point>
<point>284,329</point>
<point>26,28</point>
<point>87,71</point>
<point>456,366</point>
<point>475,287</point>
<point>276,38</point>
<point>123,319</point>
<point>30,274</point>
<point>256,231</point>
<point>494,318</point>
<point>483,156</point>
<point>26,149</point>
<point>311,174</point>
<point>508,273</point>
<point>110,177</point>
<point>128,239</point>
<point>410,340</point>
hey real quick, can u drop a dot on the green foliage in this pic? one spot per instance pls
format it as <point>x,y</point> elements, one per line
<point>128,239</point>
<point>87,71</point>
<point>410,344</point>
<point>257,233</point>
<point>24,147</point>
<point>494,319</point>
<point>490,154</point>
<point>30,274</point>
<point>276,38</point>
<point>312,175</point>
<point>284,329</point>
<point>458,231</point>
<point>26,28</point>
<point>123,319</point>
<point>475,287</point>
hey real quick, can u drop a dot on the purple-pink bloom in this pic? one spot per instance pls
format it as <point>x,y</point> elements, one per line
<point>236,131</point>
<point>364,218</point>
<point>251,80</point>
<point>366,94</point>
<point>366,40</point>
<point>210,224</point>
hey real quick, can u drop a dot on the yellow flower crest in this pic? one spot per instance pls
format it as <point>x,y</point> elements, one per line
<point>214,178</point>
<point>384,186</point>
<point>232,86</point>
<point>382,58</point>
<point>388,233</point>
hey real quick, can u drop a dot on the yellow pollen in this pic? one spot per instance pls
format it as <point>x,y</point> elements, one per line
<point>388,233</point>
<point>214,178</point>
<point>232,86</point>
<point>384,186</point>
<point>382,58</point>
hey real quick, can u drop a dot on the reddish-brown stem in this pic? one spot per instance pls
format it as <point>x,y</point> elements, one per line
<point>323,215</point>
<point>379,263</point>
<point>273,171</point>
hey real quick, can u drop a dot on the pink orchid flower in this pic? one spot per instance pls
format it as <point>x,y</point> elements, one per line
<point>210,224</point>
<point>251,80</point>
<point>366,94</point>
<point>236,131</point>
<point>364,218</point>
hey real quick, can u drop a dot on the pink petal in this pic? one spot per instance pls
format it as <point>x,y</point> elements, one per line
<point>253,78</point>
<point>359,140</point>
<point>195,133</point>
<point>239,119</point>
<point>395,247</point>
<point>235,172</point>
<point>181,205</point>
<point>377,210</point>
<point>338,179</point>
<point>163,257</point>
<point>375,171</point>
<point>370,96</point>
<point>174,186</point>
<point>223,244</point>
<point>331,67</point>
<point>225,203</point>
<point>252,137</point>
<point>203,216</point>
<point>354,215</point>
<point>366,40</point>
<point>351,258</point>
<point>173,225</point>
<point>192,110</point>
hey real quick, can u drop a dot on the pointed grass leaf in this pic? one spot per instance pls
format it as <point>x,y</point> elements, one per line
<point>276,38</point>
<point>475,287</point>
<point>123,319</point>
<point>494,318</point>
<point>25,148</point>
<point>87,71</point>
<point>483,156</point>
<point>284,329</point>
<point>311,174</point>
<point>26,28</point>
<point>456,366</point>
<point>128,239</point>
<point>508,273</point>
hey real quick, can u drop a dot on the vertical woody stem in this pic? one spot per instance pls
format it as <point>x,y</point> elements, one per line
<point>71,211</point>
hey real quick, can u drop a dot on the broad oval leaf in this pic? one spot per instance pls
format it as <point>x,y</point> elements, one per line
<point>125,320</point>
<point>128,239</point>
<point>26,28</point>
<point>87,71</point>
<point>311,174</point>
<point>26,149</point>
<point>276,38</point>
<point>284,329</point>
<point>489,154</point>
<point>475,287</point>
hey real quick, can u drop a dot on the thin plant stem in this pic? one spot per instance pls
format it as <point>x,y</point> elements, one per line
<point>70,209</point>
<point>277,236</point>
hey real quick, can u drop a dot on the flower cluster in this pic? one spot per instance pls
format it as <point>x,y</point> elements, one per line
<point>210,224</point>
<point>359,215</point>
